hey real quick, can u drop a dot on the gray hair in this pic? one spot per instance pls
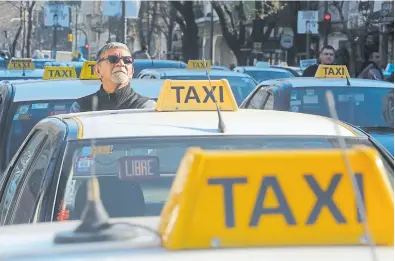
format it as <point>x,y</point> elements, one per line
<point>112,45</point>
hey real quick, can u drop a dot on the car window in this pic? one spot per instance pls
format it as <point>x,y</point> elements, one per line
<point>26,115</point>
<point>359,106</point>
<point>269,102</point>
<point>25,204</point>
<point>258,99</point>
<point>19,169</point>
<point>145,76</point>
<point>143,169</point>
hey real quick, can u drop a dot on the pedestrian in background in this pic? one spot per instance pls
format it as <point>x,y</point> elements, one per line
<point>326,57</point>
<point>372,61</point>
<point>142,54</point>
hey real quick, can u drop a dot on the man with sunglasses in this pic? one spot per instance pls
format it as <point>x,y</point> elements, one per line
<point>327,57</point>
<point>114,66</point>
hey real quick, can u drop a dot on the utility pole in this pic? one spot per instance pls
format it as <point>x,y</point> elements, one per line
<point>308,31</point>
<point>76,29</point>
<point>54,39</point>
<point>124,23</point>
<point>212,33</point>
<point>326,33</point>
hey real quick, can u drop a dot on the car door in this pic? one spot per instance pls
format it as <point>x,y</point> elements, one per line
<point>6,96</point>
<point>17,172</point>
<point>35,195</point>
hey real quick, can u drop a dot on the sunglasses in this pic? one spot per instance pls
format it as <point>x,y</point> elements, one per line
<point>113,59</point>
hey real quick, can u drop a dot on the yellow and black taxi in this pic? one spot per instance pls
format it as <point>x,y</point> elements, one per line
<point>367,104</point>
<point>254,204</point>
<point>21,69</point>
<point>135,154</point>
<point>24,103</point>
<point>241,84</point>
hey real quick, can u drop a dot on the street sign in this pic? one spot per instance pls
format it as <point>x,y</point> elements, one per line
<point>114,8</point>
<point>286,41</point>
<point>56,14</point>
<point>307,22</point>
<point>257,47</point>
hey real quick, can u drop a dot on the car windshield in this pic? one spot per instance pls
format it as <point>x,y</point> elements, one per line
<point>241,86</point>
<point>135,174</point>
<point>260,76</point>
<point>26,115</point>
<point>359,106</point>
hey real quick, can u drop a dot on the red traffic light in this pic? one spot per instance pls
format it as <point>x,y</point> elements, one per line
<point>86,46</point>
<point>327,16</point>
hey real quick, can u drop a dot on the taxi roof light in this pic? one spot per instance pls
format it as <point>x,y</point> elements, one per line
<point>276,198</point>
<point>88,71</point>
<point>332,71</point>
<point>59,72</point>
<point>21,64</point>
<point>199,65</point>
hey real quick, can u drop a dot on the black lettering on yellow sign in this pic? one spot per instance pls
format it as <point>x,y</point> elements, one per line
<point>192,94</point>
<point>199,65</point>
<point>92,66</point>
<point>323,195</point>
<point>334,71</point>
<point>60,73</point>
<point>21,65</point>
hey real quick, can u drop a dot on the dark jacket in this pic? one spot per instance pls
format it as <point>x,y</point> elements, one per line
<point>374,68</point>
<point>310,71</point>
<point>124,98</point>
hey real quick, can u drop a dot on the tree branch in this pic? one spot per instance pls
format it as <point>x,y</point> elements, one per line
<point>232,23</point>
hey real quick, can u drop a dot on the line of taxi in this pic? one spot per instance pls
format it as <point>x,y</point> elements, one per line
<point>366,104</point>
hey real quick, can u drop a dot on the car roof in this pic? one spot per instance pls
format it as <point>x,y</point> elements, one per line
<point>320,82</point>
<point>261,69</point>
<point>36,241</point>
<point>186,72</point>
<point>19,73</point>
<point>75,88</point>
<point>146,122</point>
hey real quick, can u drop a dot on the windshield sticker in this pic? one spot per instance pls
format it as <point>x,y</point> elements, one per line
<point>59,107</point>
<point>309,91</point>
<point>70,192</point>
<point>52,113</point>
<point>297,102</point>
<point>101,150</point>
<point>38,106</point>
<point>351,97</point>
<point>310,99</point>
<point>83,165</point>
<point>294,95</point>
<point>295,108</point>
<point>21,117</point>
<point>138,167</point>
<point>23,109</point>
<point>86,151</point>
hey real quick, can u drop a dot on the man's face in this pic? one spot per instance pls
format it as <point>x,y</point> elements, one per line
<point>118,73</point>
<point>375,57</point>
<point>327,56</point>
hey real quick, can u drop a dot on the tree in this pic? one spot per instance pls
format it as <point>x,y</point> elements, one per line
<point>357,37</point>
<point>167,21</point>
<point>185,18</point>
<point>30,8</point>
<point>148,22</point>
<point>233,24</point>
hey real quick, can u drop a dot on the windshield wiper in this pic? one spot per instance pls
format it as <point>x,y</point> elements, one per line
<point>377,128</point>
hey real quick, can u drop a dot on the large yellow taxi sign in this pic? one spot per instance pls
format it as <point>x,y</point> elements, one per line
<point>59,72</point>
<point>276,198</point>
<point>88,71</point>
<point>332,71</point>
<point>199,65</point>
<point>21,64</point>
<point>196,95</point>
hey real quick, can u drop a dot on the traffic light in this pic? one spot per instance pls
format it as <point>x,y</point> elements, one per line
<point>327,17</point>
<point>70,37</point>
<point>86,51</point>
<point>326,24</point>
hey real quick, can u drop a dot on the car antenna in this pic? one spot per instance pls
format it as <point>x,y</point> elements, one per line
<point>357,192</point>
<point>348,81</point>
<point>221,124</point>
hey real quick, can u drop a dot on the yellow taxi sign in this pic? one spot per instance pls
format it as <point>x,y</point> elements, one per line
<point>59,72</point>
<point>332,71</point>
<point>88,71</point>
<point>21,64</point>
<point>276,198</point>
<point>199,65</point>
<point>196,95</point>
